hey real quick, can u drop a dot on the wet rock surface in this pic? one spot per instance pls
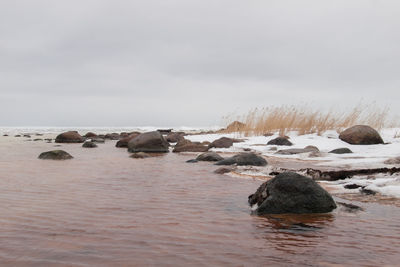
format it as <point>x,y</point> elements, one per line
<point>185,145</point>
<point>89,144</point>
<point>69,137</point>
<point>243,159</point>
<point>55,155</point>
<point>150,142</point>
<point>290,192</point>
<point>223,142</point>
<point>209,156</point>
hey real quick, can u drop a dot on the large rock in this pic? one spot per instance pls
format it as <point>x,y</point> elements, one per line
<point>55,155</point>
<point>343,150</point>
<point>70,137</point>
<point>280,141</point>
<point>112,136</point>
<point>209,156</point>
<point>223,142</point>
<point>150,142</point>
<point>361,135</point>
<point>89,144</point>
<point>175,137</point>
<point>185,145</point>
<point>90,135</point>
<point>124,141</point>
<point>290,192</point>
<point>243,159</point>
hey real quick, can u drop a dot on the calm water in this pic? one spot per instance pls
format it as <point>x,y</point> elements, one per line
<point>104,208</point>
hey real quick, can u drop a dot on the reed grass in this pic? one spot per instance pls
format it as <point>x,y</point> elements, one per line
<point>306,120</point>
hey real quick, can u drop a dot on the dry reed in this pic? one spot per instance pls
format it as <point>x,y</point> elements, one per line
<point>306,120</point>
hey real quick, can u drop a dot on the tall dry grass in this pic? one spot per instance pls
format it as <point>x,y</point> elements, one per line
<point>306,120</point>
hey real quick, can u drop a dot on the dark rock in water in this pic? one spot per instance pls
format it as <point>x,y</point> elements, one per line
<point>124,141</point>
<point>361,135</point>
<point>235,126</point>
<point>185,145</point>
<point>247,149</point>
<point>27,136</point>
<point>97,140</point>
<point>367,191</point>
<point>223,142</point>
<point>112,136</point>
<point>280,141</point>
<point>290,192</point>
<point>5,134</point>
<point>90,135</point>
<point>70,137</point>
<point>243,159</point>
<point>209,156</point>
<point>343,150</point>
<point>17,135</point>
<point>38,139</point>
<point>175,137</point>
<point>89,144</point>
<point>140,155</point>
<point>150,142</point>
<point>55,155</point>
<point>350,207</point>
<point>223,170</point>
<point>393,161</point>
<point>293,151</point>
<point>192,161</point>
<point>352,186</point>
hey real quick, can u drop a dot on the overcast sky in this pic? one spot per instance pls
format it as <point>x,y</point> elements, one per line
<point>190,62</point>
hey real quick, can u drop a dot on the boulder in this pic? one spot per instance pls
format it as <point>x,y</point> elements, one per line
<point>175,137</point>
<point>361,135</point>
<point>235,126</point>
<point>294,151</point>
<point>124,141</point>
<point>70,137</point>
<point>185,145</point>
<point>209,156</point>
<point>223,142</point>
<point>280,141</point>
<point>55,155</point>
<point>343,150</point>
<point>243,159</point>
<point>150,142</point>
<point>112,136</point>
<point>140,155</point>
<point>97,140</point>
<point>89,144</point>
<point>290,192</point>
<point>90,135</point>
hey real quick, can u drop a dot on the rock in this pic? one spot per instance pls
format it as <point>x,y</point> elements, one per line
<point>223,142</point>
<point>361,135</point>
<point>348,207</point>
<point>293,151</point>
<point>290,192</point>
<point>27,136</point>
<point>97,140</point>
<point>352,186</point>
<point>280,141</point>
<point>140,155</point>
<point>175,137</point>
<point>55,155</point>
<point>223,170</point>
<point>185,145</point>
<point>17,135</point>
<point>367,191</point>
<point>164,131</point>
<point>209,156</point>
<point>112,136</point>
<point>343,150</point>
<point>192,161</point>
<point>392,161</point>
<point>90,135</point>
<point>243,159</point>
<point>124,141</point>
<point>235,126</point>
<point>89,144</point>
<point>151,142</point>
<point>69,137</point>
<point>38,139</point>
<point>5,135</point>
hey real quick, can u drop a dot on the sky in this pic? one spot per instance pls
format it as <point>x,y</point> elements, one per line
<point>191,62</point>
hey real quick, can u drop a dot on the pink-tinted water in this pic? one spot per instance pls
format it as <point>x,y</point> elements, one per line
<point>105,209</point>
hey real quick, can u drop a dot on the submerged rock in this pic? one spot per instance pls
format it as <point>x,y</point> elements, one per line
<point>89,144</point>
<point>223,170</point>
<point>243,159</point>
<point>209,156</point>
<point>70,137</point>
<point>150,142</point>
<point>343,150</point>
<point>185,145</point>
<point>361,135</point>
<point>192,161</point>
<point>140,155</point>
<point>280,141</point>
<point>290,192</point>
<point>55,155</point>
